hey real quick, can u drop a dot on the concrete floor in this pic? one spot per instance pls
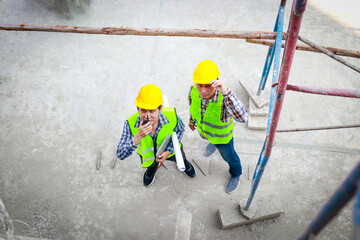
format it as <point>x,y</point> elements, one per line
<point>64,97</point>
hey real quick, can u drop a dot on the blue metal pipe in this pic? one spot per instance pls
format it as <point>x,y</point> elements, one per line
<point>257,177</point>
<point>340,198</point>
<point>258,163</point>
<point>267,68</point>
<point>268,61</point>
<point>356,214</point>
<point>276,69</point>
<point>260,167</point>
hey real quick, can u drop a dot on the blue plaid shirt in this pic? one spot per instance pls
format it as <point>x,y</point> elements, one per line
<point>126,145</point>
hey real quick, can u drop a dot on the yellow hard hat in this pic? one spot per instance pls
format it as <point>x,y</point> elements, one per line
<point>205,72</point>
<point>149,97</point>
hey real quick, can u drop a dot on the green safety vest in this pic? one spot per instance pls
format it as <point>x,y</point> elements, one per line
<point>146,147</point>
<point>210,125</point>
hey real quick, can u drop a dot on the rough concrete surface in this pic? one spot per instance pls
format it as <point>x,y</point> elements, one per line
<point>64,98</point>
<point>255,111</point>
<point>251,88</point>
<point>265,207</point>
<point>234,215</point>
<point>257,122</point>
<point>183,225</point>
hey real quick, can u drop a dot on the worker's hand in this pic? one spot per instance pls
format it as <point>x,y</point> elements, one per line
<point>192,126</point>
<point>219,85</point>
<point>144,130</point>
<point>162,157</point>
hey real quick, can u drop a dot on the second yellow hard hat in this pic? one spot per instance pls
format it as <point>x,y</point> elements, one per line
<point>205,72</point>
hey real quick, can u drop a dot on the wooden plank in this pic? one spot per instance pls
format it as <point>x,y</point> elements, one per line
<point>304,47</point>
<point>143,31</point>
<point>329,53</point>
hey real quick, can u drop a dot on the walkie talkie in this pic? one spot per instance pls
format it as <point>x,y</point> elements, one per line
<point>146,121</point>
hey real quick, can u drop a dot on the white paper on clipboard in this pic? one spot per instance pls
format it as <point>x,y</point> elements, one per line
<point>164,145</point>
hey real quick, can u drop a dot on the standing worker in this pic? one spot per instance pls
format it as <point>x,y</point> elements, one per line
<point>213,107</point>
<point>146,131</point>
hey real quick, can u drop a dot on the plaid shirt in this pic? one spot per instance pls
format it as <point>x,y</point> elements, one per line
<point>127,146</point>
<point>230,107</point>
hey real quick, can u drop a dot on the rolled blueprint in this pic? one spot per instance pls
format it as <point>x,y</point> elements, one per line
<point>166,101</point>
<point>178,155</point>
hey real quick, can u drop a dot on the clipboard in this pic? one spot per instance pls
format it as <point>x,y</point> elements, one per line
<point>164,145</point>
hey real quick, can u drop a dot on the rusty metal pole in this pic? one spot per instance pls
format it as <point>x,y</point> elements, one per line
<point>294,30</point>
<point>293,33</point>
<point>324,91</point>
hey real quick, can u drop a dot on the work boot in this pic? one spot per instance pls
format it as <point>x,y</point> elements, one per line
<point>232,184</point>
<point>149,177</point>
<point>210,150</point>
<point>189,169</point>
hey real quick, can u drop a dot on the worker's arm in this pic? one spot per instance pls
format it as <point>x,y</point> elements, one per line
<point>162,157</point>
<point>144,130</point>
<point>192,124</point>
<point>128,143</point>
<point>233,105</point>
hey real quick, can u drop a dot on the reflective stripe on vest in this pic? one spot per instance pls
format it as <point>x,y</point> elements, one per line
<point>211,126</point>
<point>146,148</point>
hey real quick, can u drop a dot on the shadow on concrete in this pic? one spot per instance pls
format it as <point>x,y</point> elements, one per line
<point>67,9</point>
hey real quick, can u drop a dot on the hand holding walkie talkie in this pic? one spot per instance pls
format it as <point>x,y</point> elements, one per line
<point>144,130</point>
<point>147,120</point>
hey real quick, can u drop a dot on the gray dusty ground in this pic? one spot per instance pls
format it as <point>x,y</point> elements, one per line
<point>64,97</point>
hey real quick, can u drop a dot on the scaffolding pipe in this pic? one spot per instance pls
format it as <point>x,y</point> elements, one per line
<point>304,47</point>
<point>340,198</point>
<point>293,30</point>
<point>142,31</point>
<point>266,70</point>
<point>318,128</point>
<point>356,214</point>
<point>269,56</point>
<point>324,91</point>
<point>276,50</point>
<point>330,54</point>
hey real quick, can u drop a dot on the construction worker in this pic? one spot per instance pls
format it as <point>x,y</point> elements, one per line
<point>147,129</point>
<point>213,107</point>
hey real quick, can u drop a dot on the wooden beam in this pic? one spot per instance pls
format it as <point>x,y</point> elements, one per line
<point>318,128</point>
<point>304,47</point>
<point>328,53</point>
<point>143,31</point>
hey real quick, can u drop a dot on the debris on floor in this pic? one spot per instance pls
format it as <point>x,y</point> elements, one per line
<point>183,225</point>
<point>234,215</point>
<point>98,160</point>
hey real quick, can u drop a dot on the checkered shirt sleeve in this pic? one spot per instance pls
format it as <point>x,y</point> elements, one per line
<point>231,106</point>
<point>126,145</point>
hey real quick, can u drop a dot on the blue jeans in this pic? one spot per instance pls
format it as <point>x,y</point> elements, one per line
<point>228,153</point>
